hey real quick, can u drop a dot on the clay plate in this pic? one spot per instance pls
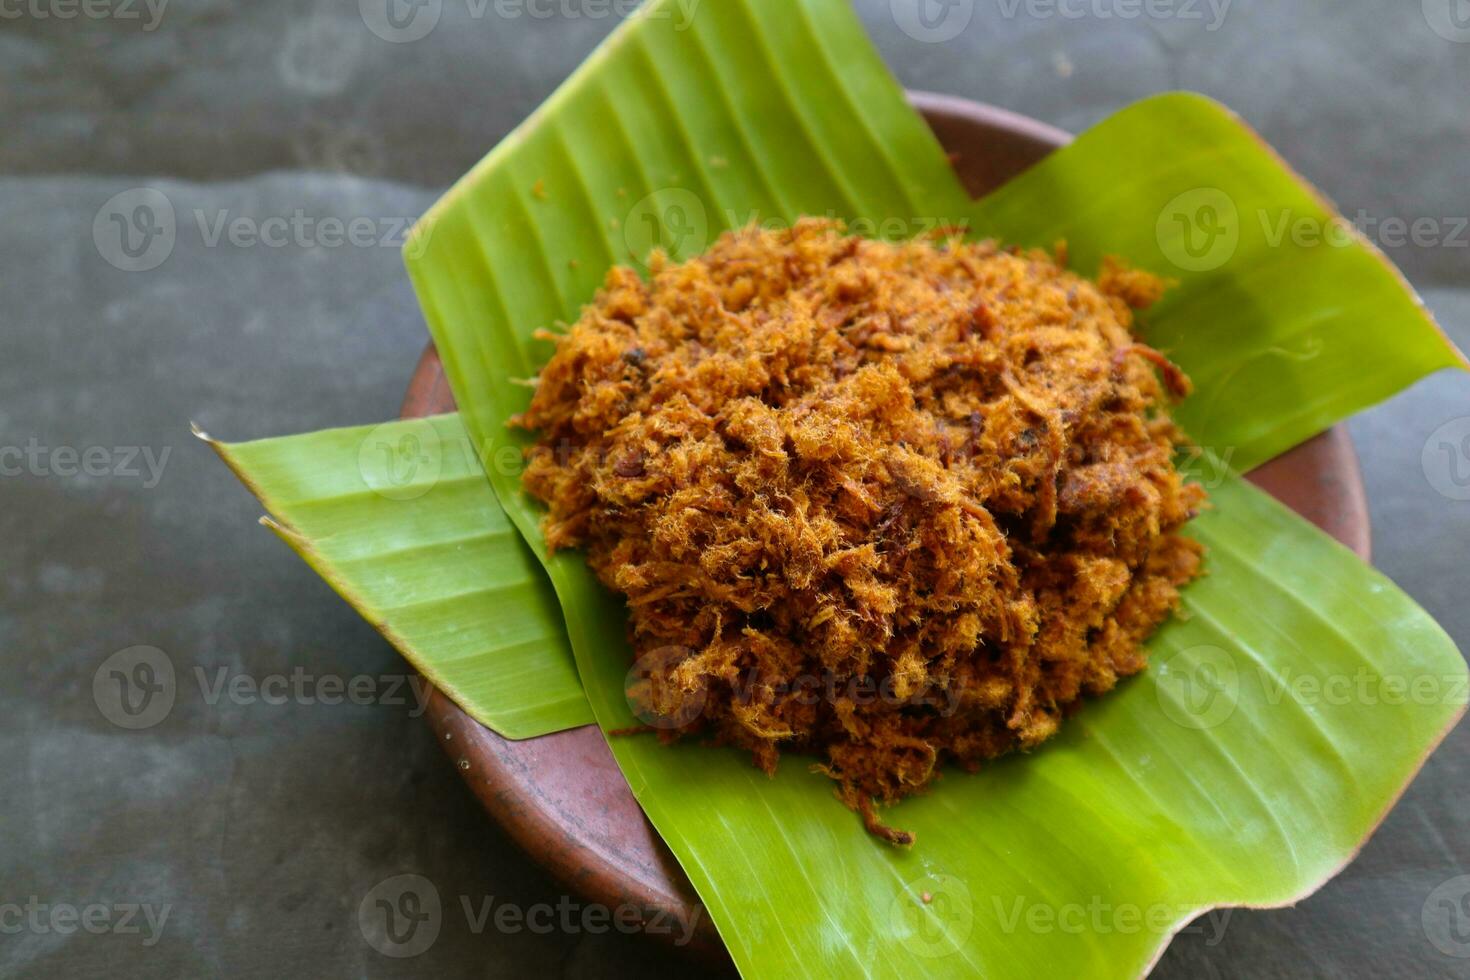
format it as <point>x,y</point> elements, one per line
<point>562,796</point>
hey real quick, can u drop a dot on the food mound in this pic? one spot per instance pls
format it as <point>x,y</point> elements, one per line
<point>888,505</point>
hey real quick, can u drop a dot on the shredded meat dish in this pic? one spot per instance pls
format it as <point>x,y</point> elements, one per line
<point>888,506</point>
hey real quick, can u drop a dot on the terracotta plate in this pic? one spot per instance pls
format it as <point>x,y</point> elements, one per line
<point>562,796</point>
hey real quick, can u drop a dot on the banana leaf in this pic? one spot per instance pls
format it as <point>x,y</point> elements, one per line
<point>1284,712</point>
<point>1287,319</point>
<point>400,521</point>
<point>1228,775</point>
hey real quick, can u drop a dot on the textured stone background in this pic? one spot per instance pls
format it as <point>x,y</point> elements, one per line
<point>263,826</point>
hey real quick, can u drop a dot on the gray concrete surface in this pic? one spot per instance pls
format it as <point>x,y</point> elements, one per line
<point>259,828</point>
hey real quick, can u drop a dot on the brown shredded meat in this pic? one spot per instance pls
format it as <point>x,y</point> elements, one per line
<point>888,505</point>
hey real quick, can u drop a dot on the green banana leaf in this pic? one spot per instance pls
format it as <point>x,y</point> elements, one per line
<point>1286,318</point>
<point>1236,771</point>
<point>1284,712</point>
<point>399,519</point>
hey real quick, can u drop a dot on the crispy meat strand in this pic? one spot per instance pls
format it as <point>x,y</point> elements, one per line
<point>888,505</point>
